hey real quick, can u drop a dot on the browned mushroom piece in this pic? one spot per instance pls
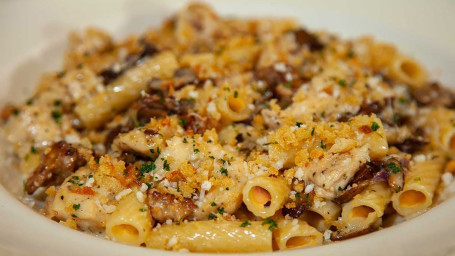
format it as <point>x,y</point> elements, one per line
<point>360,182</point>
<point>57,164</point>
<point>116,131</point>
<point>343,235</point>
<point>354,190</point>
<point>412,145</point>
<point>164,206</point>
<point>303,37</point>
<point>302,203</point>
<point>434,95</point>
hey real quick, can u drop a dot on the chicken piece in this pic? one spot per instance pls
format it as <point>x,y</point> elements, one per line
<point>334,172</point>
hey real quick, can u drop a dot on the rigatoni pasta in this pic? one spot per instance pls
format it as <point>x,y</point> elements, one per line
<point>264,196</point>
<point>419,185</point>
<point>213,236</point>
<point>213,134</point>
<point>130,222</point>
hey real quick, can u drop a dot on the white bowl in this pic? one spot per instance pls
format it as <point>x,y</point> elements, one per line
<point>32,41</point>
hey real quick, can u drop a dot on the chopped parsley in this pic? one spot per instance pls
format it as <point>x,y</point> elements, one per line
<point>312,132</point>
<point>185,140</point>
<point>297,195</point>
<point>417,178</point>
<point>374,126</point>
<point>33,150</point>
<point>236,94</point>
<point>61,74</point>
<point>76,206</point>
<point>212,157</point>
<point>396,118</point>
<point>288,85</point>
<point>298,124</point>
<point>398,189</point>
<point>342,83</point>
<point>30,102</point>
<point>224,171</point>
<point>394,168</point>
<point>152,150</point>
<point>183,122</point>
<point>142,210</point>
<point>270,143</point>
<point>212,216</point>
<point>62,197</point>
<point>75,180</point>
<point>323,146</point>
<point>166,165</point>
<point>146,168</point>
<point>272,224</point>
<point>213,204</point>
<point>56,115</point>
<point>402,100</point>
<point>220,210</point>
<point>340,189</point>
<point>196,150</point>
<point>245,224</point>
<point>57,103</point>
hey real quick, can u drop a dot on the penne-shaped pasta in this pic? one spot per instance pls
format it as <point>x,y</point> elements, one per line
<point>441,120</point>
<point>232,107</point>
<point>263,196</point>
<point>367,207</point>
<point>213,236</point>
<point>130,223</point>
<point>419,186</point>
<point>407,70</point>
<point>295,233</point>
<point>99,108</point>
<point>321,214</point>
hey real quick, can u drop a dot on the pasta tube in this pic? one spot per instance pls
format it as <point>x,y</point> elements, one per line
<point>322,214</point>
<point>213,236</point>
<point>296,234</point>
<point>99,108</point>
<point>419,186</point>
<point>367,207</point>
<point>263,196</point>
<point>130,223</point>
<point>407,70</point>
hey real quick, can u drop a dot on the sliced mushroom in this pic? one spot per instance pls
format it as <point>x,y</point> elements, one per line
<point>60,162</point>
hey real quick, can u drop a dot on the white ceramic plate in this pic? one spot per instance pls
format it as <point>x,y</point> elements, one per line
<point>33,39</point>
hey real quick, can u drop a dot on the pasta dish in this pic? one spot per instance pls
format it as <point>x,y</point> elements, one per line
<point>211,134</point>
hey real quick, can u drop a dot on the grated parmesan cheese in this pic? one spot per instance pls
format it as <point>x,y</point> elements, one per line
<point>89,182</point>
<point>327,234</point>
<point>122,194</point>
<point>140,196</point>
<point>206,185</point>
<point>280,67</point>
<point>144,187</point>
<point>420,158</point>
<point>109,208</point>
<point>309,188</point>
<point>173,241</point>
<point>447,178</point>
<point>299,173</point>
